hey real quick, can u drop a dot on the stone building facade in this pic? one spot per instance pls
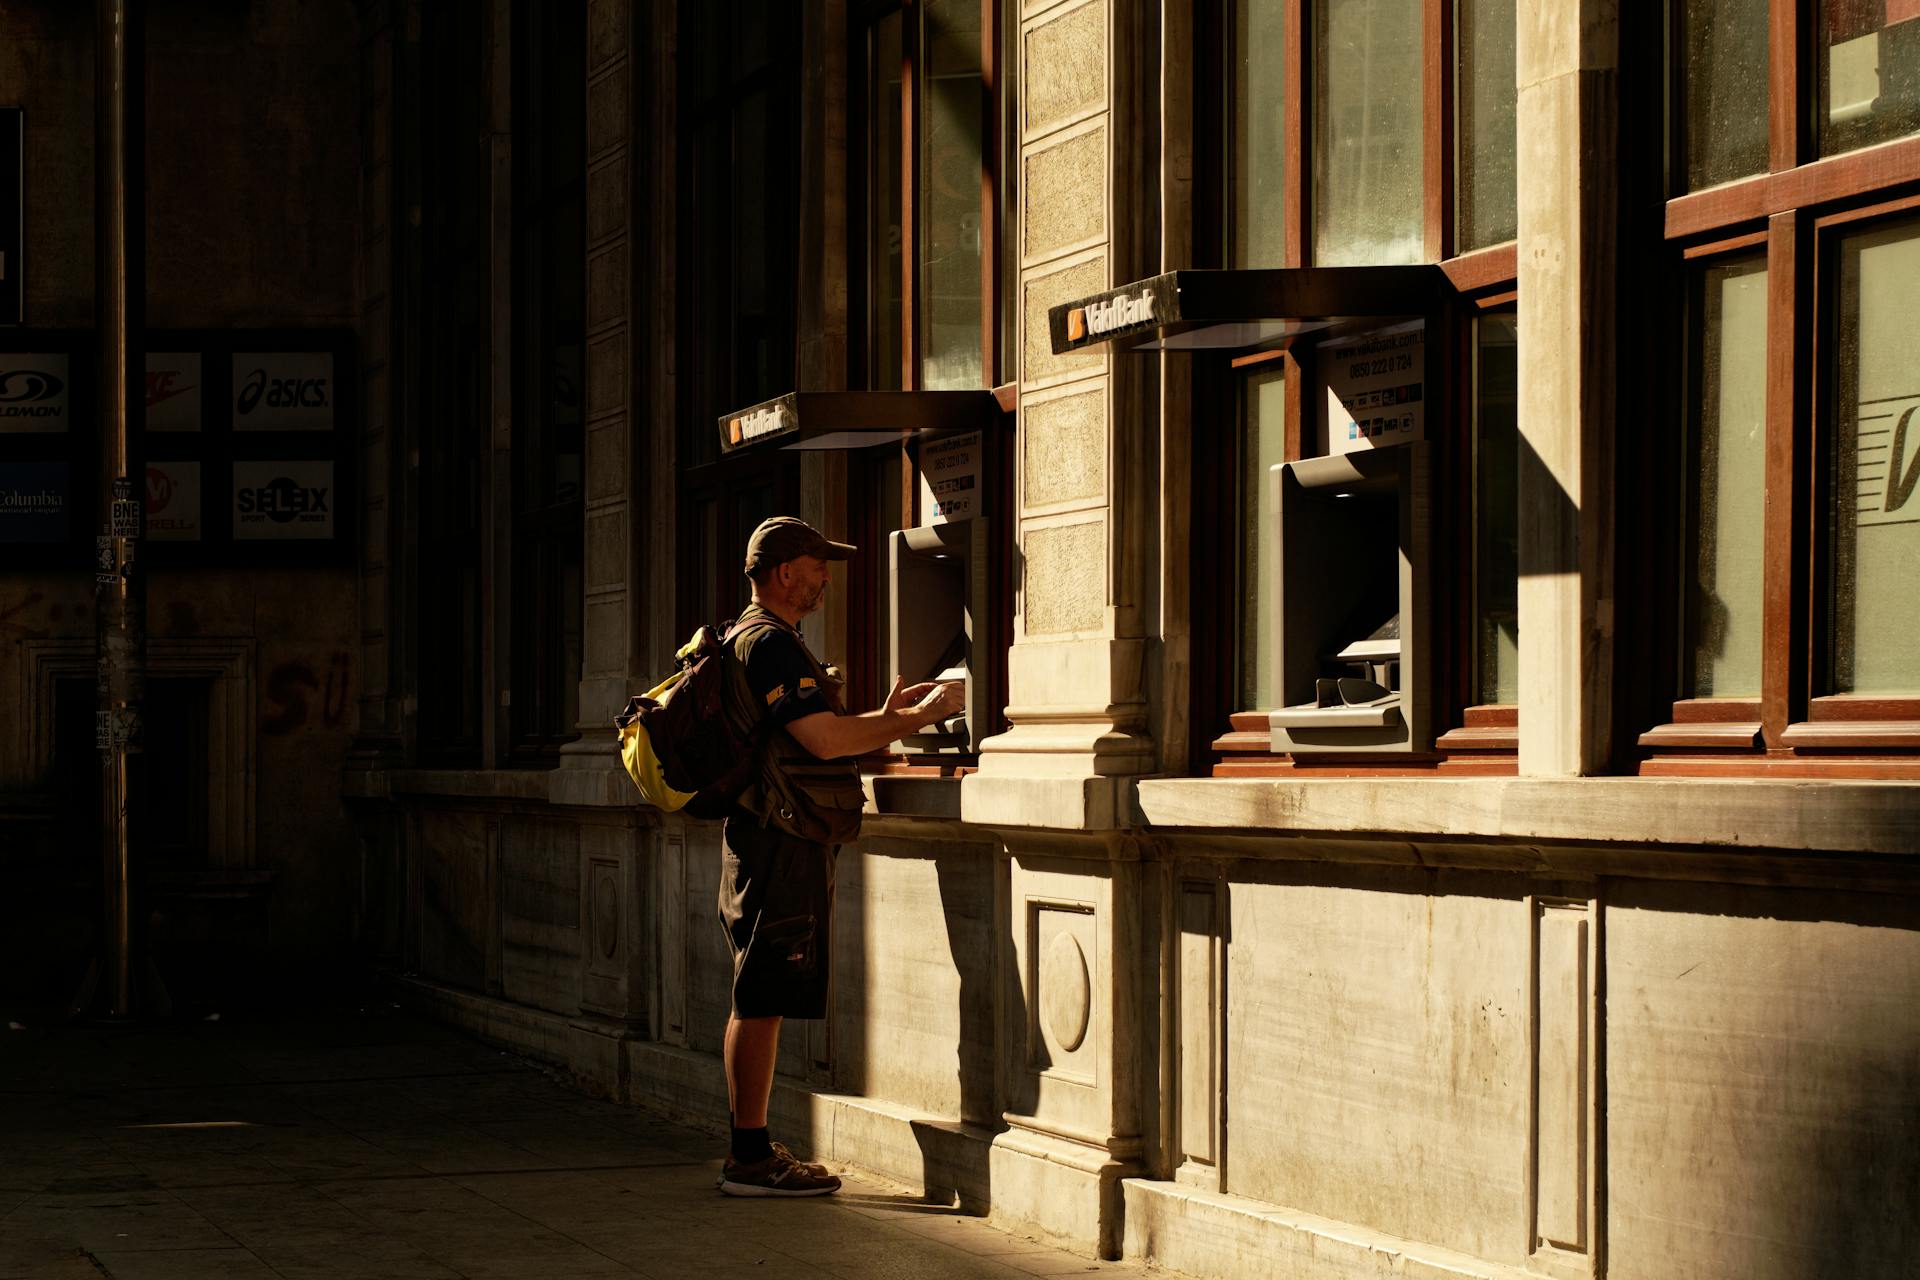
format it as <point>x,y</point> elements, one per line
<point>1587,943</point>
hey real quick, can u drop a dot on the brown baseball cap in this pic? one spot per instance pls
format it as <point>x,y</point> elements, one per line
<point>785,538</point>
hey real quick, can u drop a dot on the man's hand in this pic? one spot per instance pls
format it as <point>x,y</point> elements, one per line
<point>909,708</point>
<point>938,701</point>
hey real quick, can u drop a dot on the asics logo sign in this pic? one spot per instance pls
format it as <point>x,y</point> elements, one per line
<point>281,393</point>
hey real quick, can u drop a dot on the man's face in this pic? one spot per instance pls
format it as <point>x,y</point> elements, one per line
<point>806,582</point>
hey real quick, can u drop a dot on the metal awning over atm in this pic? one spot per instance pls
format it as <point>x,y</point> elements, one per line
<point>1245,310</point>
<point>852,419</point>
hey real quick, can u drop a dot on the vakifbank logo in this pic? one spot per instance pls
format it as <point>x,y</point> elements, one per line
<point>749,427</point>
<point>1123,312</point>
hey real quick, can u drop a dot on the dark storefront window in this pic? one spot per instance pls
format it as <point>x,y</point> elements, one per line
<point>739,148</point>
<point>549,314</point>
<point>452,406</point>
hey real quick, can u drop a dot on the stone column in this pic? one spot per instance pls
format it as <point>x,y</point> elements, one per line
<point>611,623</point>
<point>1568,65</point>
<point>1088,190</point>
<point>1071,1037</point>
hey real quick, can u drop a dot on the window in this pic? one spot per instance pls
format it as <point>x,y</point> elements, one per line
<point>1327,140</point>
<point>549,313</point>
<point>930,246</point>
<point>740,138</point>
<point>451,411</point>
<point>1794,592</point>
<point>927,195</point>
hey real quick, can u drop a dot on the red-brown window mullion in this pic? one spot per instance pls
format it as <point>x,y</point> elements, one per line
<point>1436,40</point>
<point>1787,42</point>
<point>1299,98</point>
<point>1787,578</point>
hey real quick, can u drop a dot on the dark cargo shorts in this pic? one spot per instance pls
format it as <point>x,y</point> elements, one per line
<point>776,904</point>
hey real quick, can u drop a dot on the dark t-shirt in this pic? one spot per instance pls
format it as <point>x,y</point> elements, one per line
<point>781,678</point>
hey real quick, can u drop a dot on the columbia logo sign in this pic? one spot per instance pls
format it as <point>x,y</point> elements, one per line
<point>752,426</point>
<point>1104,317</point>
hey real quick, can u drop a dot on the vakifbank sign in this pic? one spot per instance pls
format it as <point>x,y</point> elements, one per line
<point>761,422</point>
<point>1147,304</point>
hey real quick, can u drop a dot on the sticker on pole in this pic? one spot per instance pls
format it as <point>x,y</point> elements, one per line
<point>126,518</point>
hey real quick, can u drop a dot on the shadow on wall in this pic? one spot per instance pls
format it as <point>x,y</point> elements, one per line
<point>1764,1081</point>
<point>955,1156</point>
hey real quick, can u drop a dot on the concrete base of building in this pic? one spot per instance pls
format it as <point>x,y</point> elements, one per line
<point>1206,1233</point>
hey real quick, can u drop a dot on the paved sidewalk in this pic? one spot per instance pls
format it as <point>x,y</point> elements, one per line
<point>384,1148</point>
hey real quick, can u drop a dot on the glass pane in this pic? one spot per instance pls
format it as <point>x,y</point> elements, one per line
<point>883,206</point>
<point>1496,511</point>
<point>1875,522</point>
<point>1259,163</point>
<point>1869,72</point>
<point>953,107</point>
<point>1262,448</point>
<point>1726,478</point>
<point>1723,84</point>
<point>1367,132</point>
<point>1489,213</point>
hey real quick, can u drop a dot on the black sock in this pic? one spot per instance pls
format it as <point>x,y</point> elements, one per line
<point>750,1146</point>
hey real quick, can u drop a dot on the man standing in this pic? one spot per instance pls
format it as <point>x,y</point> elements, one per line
<point>776,875</point>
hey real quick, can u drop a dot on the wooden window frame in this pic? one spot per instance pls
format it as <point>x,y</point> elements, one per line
<point>1477,740</point>
<point>998,146</point>
<point>1798,210</point>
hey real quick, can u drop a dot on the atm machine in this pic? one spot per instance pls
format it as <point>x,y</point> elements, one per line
<point>937,628</point>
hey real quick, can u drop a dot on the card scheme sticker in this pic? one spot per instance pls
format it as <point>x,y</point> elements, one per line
<point>35,394</point>
<point>283,391</point>
<point>282,500</point>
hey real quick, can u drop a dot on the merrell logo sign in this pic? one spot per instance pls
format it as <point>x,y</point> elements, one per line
<point>1122,312</point>
<point>761,422</point>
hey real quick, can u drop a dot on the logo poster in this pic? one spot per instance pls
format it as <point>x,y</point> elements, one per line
<point>173,391</point>
<point>34,502</point>
<point>283,391</point>
<point>950,479</point>
<point>275,501</point>
<point>35,394</point>
<point>1375,390</point>
<point>173,501</point>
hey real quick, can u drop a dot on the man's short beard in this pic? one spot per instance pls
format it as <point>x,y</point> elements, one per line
<point>807,604</point>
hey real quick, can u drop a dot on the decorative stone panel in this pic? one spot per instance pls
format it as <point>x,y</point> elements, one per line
<point>1066,67</point>
<point>1039,293</point>
<point>1064,449</point>
<point>1063,194</point>
<point>1066,577</point>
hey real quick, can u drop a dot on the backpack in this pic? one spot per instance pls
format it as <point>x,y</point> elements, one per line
<point>677,740</point>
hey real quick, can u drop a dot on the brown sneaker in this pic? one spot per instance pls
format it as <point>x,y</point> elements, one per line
<point>775,1176</point>
<point>813,1167</point>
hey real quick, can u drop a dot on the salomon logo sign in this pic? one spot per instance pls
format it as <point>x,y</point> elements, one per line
<point>33,392</point>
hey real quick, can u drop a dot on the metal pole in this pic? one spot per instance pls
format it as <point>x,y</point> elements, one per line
<point>119,588</point>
